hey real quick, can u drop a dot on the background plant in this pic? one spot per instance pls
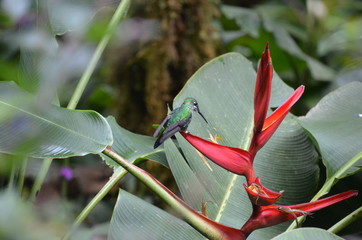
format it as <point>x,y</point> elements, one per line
<point>46,67</point>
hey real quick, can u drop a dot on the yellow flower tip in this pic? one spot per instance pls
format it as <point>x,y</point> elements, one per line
<point>214,139</point>
<point>256,188</point>
<point>218,137</point>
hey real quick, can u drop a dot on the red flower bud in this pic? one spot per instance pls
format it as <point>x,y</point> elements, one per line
<point>265,216</point>
<point>260,195</point>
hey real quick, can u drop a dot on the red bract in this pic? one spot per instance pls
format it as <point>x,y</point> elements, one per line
<point>232,159</point>
<point>262,90</point>
<point>265,216</point>
<point>272,122</point>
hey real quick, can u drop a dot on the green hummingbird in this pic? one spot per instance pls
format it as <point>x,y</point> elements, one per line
<point>178,120</point>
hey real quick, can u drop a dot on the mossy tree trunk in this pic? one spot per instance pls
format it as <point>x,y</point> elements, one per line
<point>149,76</point>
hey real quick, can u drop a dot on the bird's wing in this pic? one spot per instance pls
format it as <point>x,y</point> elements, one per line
<point>169,132</point>
<point>176,126</point>
<point>166,135</point>
<point>161,125</point>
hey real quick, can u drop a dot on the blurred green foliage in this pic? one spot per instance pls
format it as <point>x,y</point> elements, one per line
<point>46,45</point>
<point>315,43</point>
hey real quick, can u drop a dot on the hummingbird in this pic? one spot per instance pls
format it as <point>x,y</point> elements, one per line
<point>178,120</point>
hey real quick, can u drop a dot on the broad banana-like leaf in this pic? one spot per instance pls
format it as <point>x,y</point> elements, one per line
<point>35,128</point>
<point>134,218</point>
<point>133,147</point>
<point>307,234</point>
<point>336,125</point>
<point>224,90</point>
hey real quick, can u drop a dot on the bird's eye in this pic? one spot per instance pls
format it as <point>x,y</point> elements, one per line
<point>195,103</point>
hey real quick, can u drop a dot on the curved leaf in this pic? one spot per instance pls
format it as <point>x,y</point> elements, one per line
<point>307,234</point>
<point>336,124</point>
<point>133,218</point>
<point>133,147</point>
<point>38,129</point>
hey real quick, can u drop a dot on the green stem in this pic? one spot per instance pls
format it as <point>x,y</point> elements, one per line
<point>202,224</point>
<point>64,182</point>
<point>117,176</point>
<point>12,176</point>
<point>40,178</point>
<point>346,221</point>
<point>117,17</point>
<point>330,182</point>
<point>22,174</point>
<point>119,14</point>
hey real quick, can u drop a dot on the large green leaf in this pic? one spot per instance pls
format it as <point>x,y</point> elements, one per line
<point>36,128</point>
<point>336,124</point>
<point>191,187</point>
<point>134,218</point>
<point>307,234</point>
<point>133,147</point>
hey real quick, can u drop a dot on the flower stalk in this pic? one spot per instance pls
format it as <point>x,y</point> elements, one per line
<point>201,223</point>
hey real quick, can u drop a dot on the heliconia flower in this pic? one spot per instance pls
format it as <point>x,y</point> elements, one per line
<point>235,160</point>
<point>265,216</point>
<point>260,195</point>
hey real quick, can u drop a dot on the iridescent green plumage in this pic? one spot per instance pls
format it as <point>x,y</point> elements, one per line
<point>178,120</point>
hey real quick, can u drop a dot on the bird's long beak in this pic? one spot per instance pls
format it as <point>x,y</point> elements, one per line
<point>202,116</point>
